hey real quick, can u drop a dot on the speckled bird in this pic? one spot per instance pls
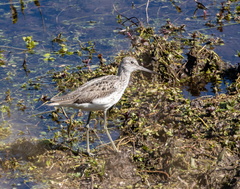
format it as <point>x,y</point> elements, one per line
<point>100,93</point>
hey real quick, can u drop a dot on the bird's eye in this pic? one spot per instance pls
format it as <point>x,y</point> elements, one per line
<point>132,62</point>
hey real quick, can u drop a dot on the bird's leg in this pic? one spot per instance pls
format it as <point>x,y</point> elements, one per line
<point>87,126</point>
<point>106,130</point>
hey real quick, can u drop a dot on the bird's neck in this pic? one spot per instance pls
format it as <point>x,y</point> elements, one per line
<point>124,74</point>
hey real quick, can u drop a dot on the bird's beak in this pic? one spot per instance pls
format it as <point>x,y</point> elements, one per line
<point>146,70</point>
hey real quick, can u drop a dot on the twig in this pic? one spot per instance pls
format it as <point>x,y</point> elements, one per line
<point>147,11</point>
<point>64,113</point>
<point>127,19</point>
<point>21,49</point>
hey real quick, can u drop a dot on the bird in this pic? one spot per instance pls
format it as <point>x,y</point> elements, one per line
<point>100,94</point>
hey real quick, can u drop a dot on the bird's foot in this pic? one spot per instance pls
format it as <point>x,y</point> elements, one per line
<point>88,153</point>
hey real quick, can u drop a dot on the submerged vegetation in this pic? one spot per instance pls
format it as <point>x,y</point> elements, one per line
<point>166,140</point>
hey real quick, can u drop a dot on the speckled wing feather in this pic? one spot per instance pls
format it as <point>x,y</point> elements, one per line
<point>93,89</point>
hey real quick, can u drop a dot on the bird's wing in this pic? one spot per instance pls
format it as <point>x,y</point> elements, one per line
<point>93,89</point>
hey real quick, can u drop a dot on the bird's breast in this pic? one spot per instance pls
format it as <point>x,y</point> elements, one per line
<point>109,100</point>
